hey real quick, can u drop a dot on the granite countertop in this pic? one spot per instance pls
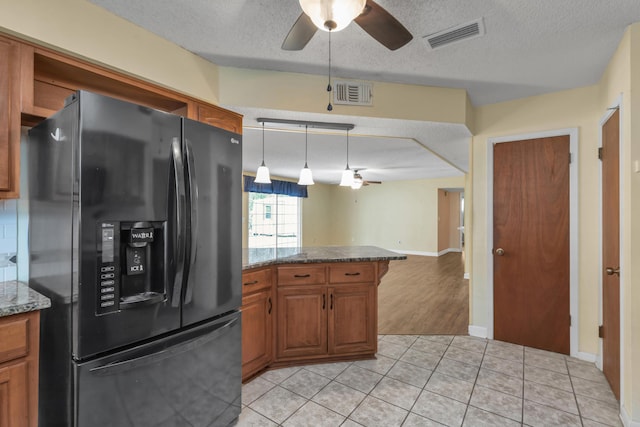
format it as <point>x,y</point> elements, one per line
<point>260,257</point>
<point>17,297</point>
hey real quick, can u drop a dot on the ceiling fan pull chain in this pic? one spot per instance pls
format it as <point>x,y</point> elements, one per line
<point>329,107</point>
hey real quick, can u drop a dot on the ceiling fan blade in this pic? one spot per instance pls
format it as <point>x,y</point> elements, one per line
<point>372,182</point>
<point>300,34</point>
<point>383,27</point>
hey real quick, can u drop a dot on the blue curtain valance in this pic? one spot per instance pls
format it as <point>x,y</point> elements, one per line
<point>276,187</point>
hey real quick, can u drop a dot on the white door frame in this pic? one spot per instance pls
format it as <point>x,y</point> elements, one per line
<point>617,105</point>
<point>573,224</point>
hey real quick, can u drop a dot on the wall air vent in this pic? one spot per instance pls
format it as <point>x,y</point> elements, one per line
<point>467,31</point>
<point>352,93</point>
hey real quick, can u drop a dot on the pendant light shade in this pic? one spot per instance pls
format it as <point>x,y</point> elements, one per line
<point>332,15</point>
<point>262,175</point>
<point>347,174</point>
<point>306,177</point>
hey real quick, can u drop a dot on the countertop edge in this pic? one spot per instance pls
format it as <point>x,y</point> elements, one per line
<point>294,259</point>
<point>17,297</point>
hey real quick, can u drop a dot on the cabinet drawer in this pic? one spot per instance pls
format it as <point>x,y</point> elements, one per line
<point>352,272</point>
<point>255,280</point>
<point>306,275</point>
<point>13,339</point>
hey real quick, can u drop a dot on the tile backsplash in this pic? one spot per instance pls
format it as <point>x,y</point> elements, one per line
<point>8,238</point>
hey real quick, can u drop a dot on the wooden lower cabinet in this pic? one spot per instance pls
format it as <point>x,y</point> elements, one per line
<point>352,319</point>
<point>257,321</point>
<point>13,395</point>
<point>257,336</point>
<point>320,321</point>
<point>19,344</point>
<point>324,311</point>
<point>302,321</point>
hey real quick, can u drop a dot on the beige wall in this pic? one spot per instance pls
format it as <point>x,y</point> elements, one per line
<point>574,108</point>
<point>582,108</point>
<point>265,89</point>
<point>90,32</point>
<point>398,215</point>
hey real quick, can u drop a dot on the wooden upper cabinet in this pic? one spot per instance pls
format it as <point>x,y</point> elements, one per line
<point>220,117</point>
<point>9,118</point>
<point>35,81</point>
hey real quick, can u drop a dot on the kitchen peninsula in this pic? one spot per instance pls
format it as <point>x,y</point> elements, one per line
<point>310,304</point>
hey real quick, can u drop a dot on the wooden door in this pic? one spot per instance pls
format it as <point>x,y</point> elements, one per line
<point>611,251</point>
<point>14,396</point>
<point>531,243</point>
<point>301,321</point>
<point>352,319</point>
<point>257,335</point>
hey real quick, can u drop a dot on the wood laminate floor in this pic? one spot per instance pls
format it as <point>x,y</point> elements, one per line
<point>424,295</point>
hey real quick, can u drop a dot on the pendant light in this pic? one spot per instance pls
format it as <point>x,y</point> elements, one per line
<point>347,174</point>
<point>306,177</point>
<point>262,175</point>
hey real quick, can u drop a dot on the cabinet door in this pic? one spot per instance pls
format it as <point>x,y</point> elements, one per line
<point>9,118</point>
<point>13,396</point>
<point>257,335</point>
<point>219,117</point>
<point>352,319</point>
<point>302,321</point>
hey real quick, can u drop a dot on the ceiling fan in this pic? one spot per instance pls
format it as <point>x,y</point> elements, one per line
<point>326,15</point>
<point>359,182</point>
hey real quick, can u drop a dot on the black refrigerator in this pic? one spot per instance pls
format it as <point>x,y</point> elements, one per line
<point>135,236</point>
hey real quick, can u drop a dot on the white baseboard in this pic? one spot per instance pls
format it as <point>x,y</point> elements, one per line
<point>446,251</point>
<point>587,357</point>
<point>421,253</point>
<point>626,419</point>
<point>466,275</point>
<point>478,331</point>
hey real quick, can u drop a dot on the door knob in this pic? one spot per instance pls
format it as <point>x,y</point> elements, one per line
<point>499,251</point>
<point>611,271</point>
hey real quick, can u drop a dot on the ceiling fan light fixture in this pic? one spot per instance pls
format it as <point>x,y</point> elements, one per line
<point>357,181</point>
<point>332,15</point>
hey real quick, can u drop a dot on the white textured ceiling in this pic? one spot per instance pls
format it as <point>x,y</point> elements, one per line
<point>530,48</point>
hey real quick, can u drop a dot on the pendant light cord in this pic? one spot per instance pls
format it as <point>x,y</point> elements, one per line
<point>347,149</point>
<point>263,143</point>
<point>305,144</point>
<point>329,88</point>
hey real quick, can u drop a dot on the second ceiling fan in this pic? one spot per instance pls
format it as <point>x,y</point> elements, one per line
<point>328,15</point>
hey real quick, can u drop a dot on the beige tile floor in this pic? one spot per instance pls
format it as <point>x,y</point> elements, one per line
<point>434,380</point>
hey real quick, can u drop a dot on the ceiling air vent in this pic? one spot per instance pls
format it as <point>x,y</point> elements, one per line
<point>352,93</point>
<point>467,31</point>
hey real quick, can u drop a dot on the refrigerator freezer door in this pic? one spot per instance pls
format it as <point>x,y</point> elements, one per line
<point>126,181</point>
<point>214,170</point>
<point>191,379</point>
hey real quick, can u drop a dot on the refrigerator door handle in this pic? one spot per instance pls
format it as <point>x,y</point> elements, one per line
<point>181,202</point>
<point>123,365</point>
<point>193,204</point>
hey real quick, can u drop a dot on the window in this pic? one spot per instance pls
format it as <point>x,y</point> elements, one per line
<point>274,221</point>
